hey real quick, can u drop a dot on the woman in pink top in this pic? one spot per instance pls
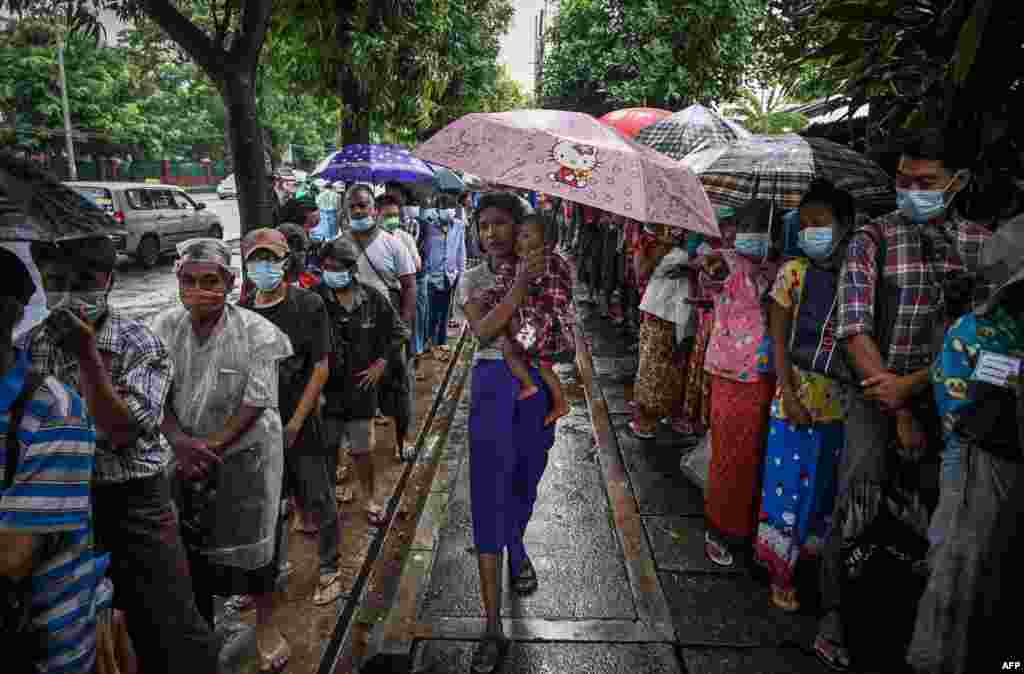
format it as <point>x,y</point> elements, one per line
<point>740,394</point>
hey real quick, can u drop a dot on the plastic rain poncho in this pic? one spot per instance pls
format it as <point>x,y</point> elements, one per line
<point>232,513</point>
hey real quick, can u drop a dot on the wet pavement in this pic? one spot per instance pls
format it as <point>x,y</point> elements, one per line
<point>617,540</point>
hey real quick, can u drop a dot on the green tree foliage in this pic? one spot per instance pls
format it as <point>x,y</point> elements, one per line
<point>111,103</point>
<point>956,64</point>
<point>763,113</point>
<point>601,55</point>
<point>401,67</point>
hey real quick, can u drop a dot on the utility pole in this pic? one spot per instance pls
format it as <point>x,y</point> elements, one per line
<point>72,166</point>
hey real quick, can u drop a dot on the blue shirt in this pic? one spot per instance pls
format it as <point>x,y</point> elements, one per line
<point>49,497</point>
<point>447,249</point>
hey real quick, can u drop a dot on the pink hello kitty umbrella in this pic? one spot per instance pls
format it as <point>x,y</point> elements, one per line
<point>574,156</point>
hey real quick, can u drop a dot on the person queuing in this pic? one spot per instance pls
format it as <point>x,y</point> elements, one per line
<point>45,514</point>
<point>366,334</point>
<point>328,203</point>
<point>301,315</point>
<point>446,264</point>
<point>740,392</point>
<point>386,264</point>
<point>806,434</point>
<point>509,442</point>
<point>124,372</point>
<point>890,310</point>
<point>222,419</point>
<point>665,341</point>
<point>389,211</point>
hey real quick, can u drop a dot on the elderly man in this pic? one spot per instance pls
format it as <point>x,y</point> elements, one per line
<point>49,571</point>
<point>385,264</point>
<point>124,372</point>
<point>222,420</point>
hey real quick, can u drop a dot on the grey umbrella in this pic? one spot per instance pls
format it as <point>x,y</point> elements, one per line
<point>35,206</point>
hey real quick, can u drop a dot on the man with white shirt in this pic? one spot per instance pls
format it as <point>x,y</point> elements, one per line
<point>386,264</point>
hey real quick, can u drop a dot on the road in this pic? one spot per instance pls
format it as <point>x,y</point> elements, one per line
<point>141,293</point>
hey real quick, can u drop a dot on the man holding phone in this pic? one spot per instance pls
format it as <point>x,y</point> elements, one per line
<point>124,373</point>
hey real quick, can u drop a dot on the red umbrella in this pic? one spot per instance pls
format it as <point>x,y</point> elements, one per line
<point>632,121</point>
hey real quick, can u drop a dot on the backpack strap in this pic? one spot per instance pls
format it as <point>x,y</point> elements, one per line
<point>17,412</point>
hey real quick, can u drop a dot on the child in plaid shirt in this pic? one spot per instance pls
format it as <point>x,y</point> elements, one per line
<point>542,332</point>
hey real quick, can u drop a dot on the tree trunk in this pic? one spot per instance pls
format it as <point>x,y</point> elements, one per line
<point>245,135</point>
<point>229,156</point>
<point>355,96</point>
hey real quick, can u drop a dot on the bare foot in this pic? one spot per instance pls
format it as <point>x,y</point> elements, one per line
<point>528,392</point>
<point>560,410</point>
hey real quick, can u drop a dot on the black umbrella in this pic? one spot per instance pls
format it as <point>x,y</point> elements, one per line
<point>36,206</point>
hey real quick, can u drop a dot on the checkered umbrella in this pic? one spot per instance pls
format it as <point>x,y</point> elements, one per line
<point>782,167</point>
<point>691,130</point>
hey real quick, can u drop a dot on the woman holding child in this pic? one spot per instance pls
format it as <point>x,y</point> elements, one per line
<point>511,424</point>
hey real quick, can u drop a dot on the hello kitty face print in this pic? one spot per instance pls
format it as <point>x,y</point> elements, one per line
<point>576,163</point>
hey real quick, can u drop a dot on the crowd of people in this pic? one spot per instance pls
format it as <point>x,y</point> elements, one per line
<point>824,354</point>
<point>833,360</point>
<point>154,466</point>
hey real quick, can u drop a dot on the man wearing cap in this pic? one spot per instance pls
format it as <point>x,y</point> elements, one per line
<point>366,334</point>
<point>46,534</point>
<point>124,372</point>
<point>301,315</point>
<point>222,420</point>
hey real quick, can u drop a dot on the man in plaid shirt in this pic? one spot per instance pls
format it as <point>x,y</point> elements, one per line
<point>124,373</point>
<point>892,313</point>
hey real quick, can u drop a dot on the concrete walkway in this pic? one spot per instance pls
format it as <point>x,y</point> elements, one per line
<point>617,540</point>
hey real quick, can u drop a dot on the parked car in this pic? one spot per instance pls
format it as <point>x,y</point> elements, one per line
<point>227,188</point>
<point>155,218</point>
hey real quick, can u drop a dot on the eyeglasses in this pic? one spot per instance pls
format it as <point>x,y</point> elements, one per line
<point>210,282</point>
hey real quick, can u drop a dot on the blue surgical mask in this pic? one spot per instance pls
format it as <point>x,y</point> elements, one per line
<point>921,205</point>
<point>338,279</point>
<point>361,224</point>
<point>752,245</point>
<point>816,242</point>
<point>265,274</point>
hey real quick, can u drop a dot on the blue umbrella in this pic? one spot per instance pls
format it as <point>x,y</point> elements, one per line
<point>446,179</point>
<point>374,164</point>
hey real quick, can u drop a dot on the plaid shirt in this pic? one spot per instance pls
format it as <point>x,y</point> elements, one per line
<point>547,317</point>
<point>923,262</point>
<point>141,371</point>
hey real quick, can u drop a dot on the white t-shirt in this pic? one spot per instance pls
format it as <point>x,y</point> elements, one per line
<point>391,260</point>
<point>410,243</point>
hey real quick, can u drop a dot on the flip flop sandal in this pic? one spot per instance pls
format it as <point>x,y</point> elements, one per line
<point>341,475</point>
<point>785,600</point>
<point>488,654</point>
<point>240,602</point>
<point>344,494</point>
<point>277,661</point>
<point>526,581</point>
<point>831,654</point>
<point>638,434</point>
<point>377,517</point>
<point>717,552</point>
<point>407,454</point>
<point>328,589</point>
